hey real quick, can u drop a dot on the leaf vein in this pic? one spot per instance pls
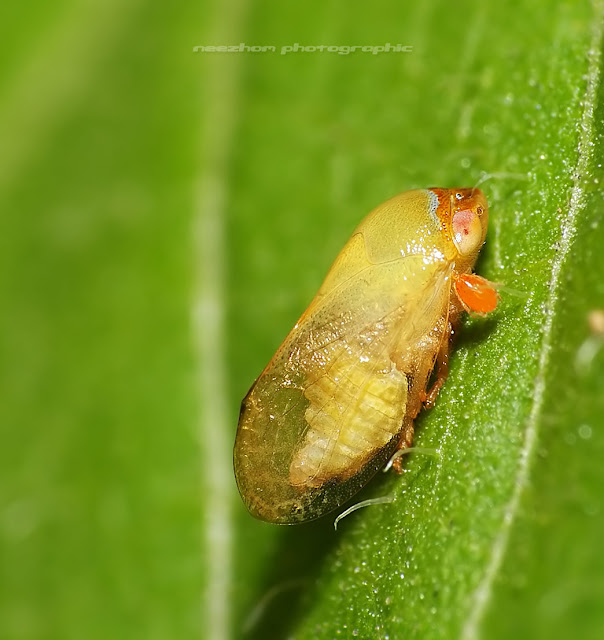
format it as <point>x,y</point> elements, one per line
<point>482,595</point>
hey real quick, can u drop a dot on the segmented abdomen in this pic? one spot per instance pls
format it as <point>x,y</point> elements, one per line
<point>356,405</point>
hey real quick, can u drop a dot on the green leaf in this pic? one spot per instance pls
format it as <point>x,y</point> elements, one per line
<point>167,217</point>
<point>99,463</point>
<point>494,537</point>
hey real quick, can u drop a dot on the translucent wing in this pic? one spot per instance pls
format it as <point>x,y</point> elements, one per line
<point>328,410</point>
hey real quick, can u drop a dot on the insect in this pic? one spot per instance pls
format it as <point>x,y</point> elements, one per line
<point>340,395</point>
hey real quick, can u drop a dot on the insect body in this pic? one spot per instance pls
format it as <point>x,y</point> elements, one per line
<point>339,396</point>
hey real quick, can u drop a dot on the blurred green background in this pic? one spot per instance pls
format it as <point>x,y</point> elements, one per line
<point>167,215</point>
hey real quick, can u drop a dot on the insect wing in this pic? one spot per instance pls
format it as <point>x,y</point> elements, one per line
<point>327,411</point>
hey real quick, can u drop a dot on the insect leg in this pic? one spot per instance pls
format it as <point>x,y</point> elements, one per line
<point>404,443</point>
<point>442,368</point>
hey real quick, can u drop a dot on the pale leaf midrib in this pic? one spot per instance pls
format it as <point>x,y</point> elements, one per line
<point>482,596</point>
<point>220,93</point>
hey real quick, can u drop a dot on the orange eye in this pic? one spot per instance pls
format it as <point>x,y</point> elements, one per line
<point>467,231</point>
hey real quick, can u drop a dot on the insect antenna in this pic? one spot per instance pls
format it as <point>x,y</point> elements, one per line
<point>502,175</point>
<point>361,505</point>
